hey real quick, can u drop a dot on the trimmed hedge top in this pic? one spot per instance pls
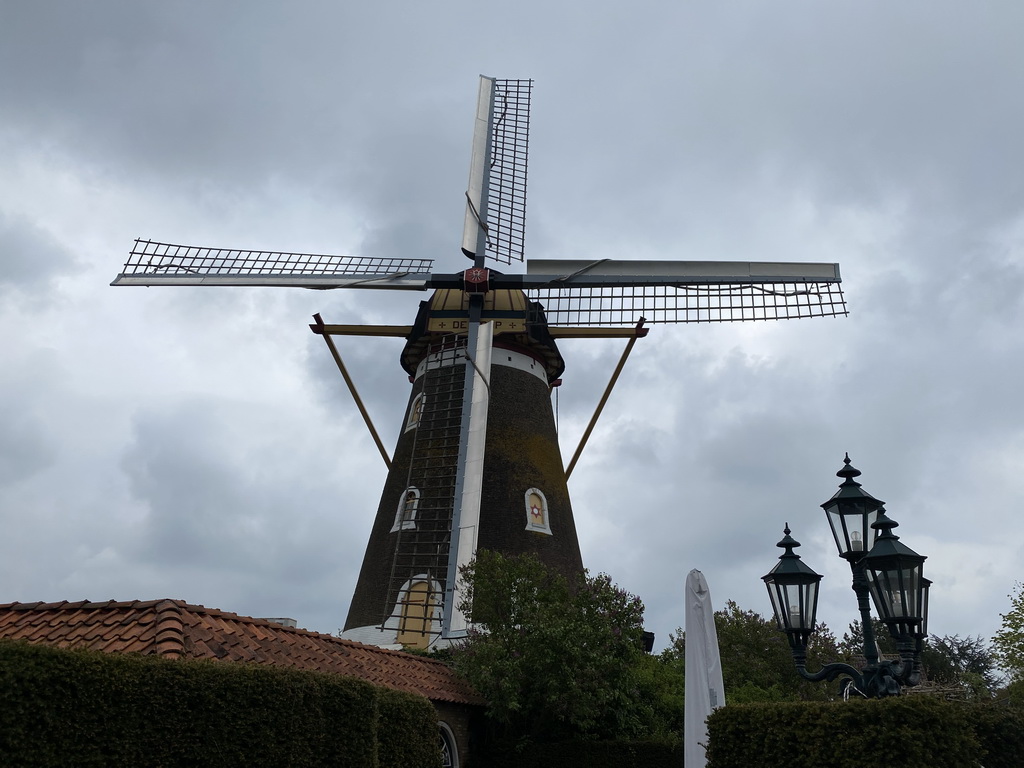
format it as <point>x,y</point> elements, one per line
<point>87,708</point>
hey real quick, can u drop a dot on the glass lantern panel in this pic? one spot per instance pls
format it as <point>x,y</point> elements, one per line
<point>881,592</point>
<point>869,533</point>
<point>916,595</point>
<point>910,579</point>
<point>835,521</point>
<point>810,604</point>
<point>803,600</point>
<point>925,584</point>
<point>794,608</point>
<point>851,527</point>
<point>794,605</point>
<point>897,597</point>
<point>777,603</point>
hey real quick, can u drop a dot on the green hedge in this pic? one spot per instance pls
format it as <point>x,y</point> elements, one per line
<point>908,731</point>
<point>408,733</point>
<point>83,708</point>
<point>589,754</point>
<point>1000,731</point>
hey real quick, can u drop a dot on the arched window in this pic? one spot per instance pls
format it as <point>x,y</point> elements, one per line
<point>537,512</point>
<point>416,625</point>
<point>415,411</point>
<point>449,747</point>
<point>405,516</point>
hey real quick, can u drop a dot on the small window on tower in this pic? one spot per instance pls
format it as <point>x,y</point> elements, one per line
<point>415,411</point>
<point>416,625</point>
<point>537,512</point>
<point>405,517</point>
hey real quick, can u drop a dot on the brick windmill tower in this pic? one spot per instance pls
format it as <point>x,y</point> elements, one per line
<point>477,463</point>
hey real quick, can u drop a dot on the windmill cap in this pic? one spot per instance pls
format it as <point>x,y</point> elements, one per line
<point>526,328</point>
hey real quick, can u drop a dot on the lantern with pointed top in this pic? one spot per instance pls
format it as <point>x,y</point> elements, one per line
<point>793,589</point>
<point>898,588</point>
<point>851,513</point>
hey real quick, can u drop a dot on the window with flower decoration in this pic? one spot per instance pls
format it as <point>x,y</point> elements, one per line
<point>537,512</point>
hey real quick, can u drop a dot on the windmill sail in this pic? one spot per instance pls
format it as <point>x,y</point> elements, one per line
<point>625,305</point>
<point>152,263</point>
<point>496,196</point>
<point>616,292</point>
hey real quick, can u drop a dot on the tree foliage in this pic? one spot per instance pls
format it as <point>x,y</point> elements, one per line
<point>554,659</point>
<point>1008,642</point>
<point>662,683</point>
<point>966,661</point>
<point>949,660</point>
<point>756,661</point>
<point>852,645</point>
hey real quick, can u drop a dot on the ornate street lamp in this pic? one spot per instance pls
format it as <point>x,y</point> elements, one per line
<point>885,571</point>
<point>899,592</point>
<point>851,513</point>
<point>793,589</point>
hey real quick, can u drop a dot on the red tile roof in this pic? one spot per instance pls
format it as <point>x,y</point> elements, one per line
<point>175,629</point>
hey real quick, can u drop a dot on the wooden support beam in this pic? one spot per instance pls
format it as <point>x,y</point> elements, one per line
<point>595,332</point>
<point>398,331</point>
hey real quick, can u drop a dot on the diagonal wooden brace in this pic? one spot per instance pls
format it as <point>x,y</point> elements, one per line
<point>319,328</point>
<point>639,332</point>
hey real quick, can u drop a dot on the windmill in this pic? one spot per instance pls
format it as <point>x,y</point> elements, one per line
<point>477,462</point>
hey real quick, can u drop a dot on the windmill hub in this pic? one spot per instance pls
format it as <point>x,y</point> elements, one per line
<point>477,280</point>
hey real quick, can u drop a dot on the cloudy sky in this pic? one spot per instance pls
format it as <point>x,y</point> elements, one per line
<point>198,443</point>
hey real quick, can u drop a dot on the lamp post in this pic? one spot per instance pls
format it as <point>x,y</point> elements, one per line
<point>885,572</point>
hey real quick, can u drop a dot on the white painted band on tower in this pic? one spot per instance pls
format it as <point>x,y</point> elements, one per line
<point>509,358</point>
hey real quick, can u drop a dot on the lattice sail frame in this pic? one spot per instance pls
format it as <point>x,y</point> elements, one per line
<point>510,151</point>
<point>624,305</point>
<point>150,259</point>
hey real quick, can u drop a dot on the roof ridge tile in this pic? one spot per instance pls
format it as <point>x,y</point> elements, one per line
<point>170,629</point>
<point>20,606</point>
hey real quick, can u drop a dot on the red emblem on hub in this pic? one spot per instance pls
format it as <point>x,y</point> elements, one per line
<point>477,280</point>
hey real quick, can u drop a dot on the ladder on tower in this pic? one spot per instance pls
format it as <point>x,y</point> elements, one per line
<point>420,562</point>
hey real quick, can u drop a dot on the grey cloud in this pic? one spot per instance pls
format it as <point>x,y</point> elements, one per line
<point>205,505</point>
<point>27,445</point>
<point>29,441</point>
<point>30,257</point>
